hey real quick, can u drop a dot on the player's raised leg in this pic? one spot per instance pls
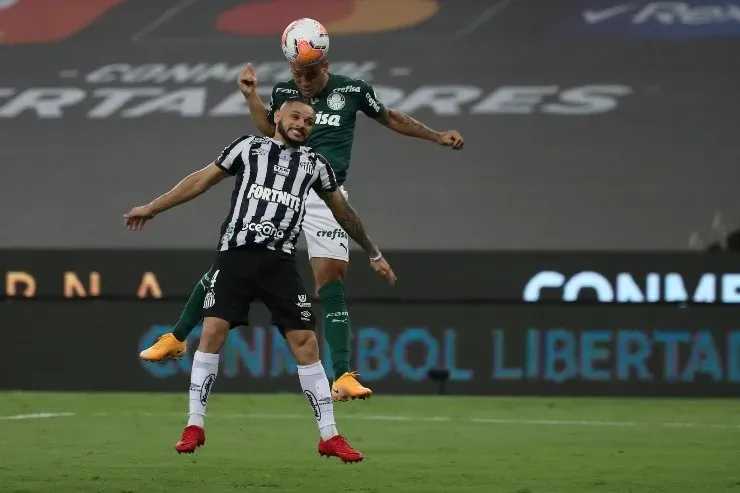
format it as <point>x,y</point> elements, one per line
<point>202,377</point>
<point>172,345</point>
<point>305,348</point>
<point>328,251</point>
<point>329,275</point>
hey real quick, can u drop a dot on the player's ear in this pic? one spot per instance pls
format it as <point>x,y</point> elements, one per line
<point>276,117</point>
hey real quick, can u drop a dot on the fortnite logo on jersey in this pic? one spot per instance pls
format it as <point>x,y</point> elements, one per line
<point>271,195</point>
<point>327,119</point>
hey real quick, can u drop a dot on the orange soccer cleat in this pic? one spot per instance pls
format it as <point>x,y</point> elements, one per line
<point>166,347</point>
<point>347,387</point>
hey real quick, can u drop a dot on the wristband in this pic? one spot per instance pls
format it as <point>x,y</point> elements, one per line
<point>375,259</point>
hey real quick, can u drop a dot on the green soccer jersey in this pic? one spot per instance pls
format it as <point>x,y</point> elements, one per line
<point>336,113</point>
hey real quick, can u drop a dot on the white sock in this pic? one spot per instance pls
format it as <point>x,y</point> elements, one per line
<point>316,389</point>
<point>202,376</point>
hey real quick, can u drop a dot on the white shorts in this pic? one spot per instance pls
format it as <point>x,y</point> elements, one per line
<point>325,238</point>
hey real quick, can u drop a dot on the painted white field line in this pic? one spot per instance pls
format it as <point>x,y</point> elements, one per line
<point>398,418</point>
<point>556,422</point>
<point>442,419</point>
<point>280,417</point>
<point>36,416</point>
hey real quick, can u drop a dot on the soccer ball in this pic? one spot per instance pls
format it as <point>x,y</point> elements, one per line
<point>305,42</point>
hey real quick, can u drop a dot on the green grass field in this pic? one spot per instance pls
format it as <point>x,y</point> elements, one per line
<point>124,443</point>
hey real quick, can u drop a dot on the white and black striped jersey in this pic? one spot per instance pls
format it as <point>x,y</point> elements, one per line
<point>269,199</point>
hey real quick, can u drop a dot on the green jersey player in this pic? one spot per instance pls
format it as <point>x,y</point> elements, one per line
<point>337,99</point>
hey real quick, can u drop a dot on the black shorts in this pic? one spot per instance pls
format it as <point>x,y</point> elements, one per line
<point>241,276</point>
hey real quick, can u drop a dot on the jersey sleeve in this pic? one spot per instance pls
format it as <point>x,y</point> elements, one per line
<point>230,159</point>
<point>326,180</point>
<point>369,103</point>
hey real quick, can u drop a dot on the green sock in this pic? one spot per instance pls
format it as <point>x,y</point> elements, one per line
<point>337,328</point>
<point>192,314</point>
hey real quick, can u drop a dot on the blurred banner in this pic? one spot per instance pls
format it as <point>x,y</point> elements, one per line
<point>551,350</point>
<point>497,323</point>
<point>471,277</point>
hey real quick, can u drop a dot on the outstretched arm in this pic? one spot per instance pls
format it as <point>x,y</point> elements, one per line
<point>402,123</point>
<point>190,187</point>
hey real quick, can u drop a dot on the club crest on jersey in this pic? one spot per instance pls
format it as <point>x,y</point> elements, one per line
<point>335,101</point>
<point>307,163</point>
<point>327,119</point>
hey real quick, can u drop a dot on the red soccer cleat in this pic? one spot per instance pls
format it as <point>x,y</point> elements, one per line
<point>192,438</point>
<point>337,446</point>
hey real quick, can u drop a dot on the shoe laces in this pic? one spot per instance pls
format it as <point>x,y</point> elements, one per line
<point>162,338</point>
<point>351,378</point>
<point>351,374</point>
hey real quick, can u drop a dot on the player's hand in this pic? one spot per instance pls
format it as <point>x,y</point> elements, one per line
<point>383,268</point>
<point>247,80</point>
<point>135,219</point>
<point>451,138</point>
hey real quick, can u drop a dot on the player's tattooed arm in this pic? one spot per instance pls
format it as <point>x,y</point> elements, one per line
<point>349,220</point>
<point>405,125</point>
<point>402,123</point>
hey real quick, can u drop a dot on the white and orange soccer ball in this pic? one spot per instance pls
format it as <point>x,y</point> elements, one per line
<point>305,41</point>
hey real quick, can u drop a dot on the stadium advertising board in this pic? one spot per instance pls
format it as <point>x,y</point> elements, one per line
<point>484,277</point>
<point>205,89</point>
<point>487,349</point>
<point>651,19</point>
